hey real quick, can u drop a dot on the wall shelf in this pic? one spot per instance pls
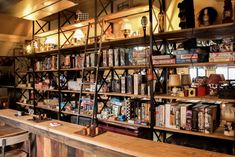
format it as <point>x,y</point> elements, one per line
<point>205,98</point>
<point>219,134</point>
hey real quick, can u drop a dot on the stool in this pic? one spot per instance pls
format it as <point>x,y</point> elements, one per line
<point>11,140</point>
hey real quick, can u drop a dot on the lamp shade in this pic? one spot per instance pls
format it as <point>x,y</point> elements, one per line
<point>174,80</point>
<point>215,78</point>
<point>126,25</point>
<point>185,79</point>
<point>78,34</point>
<point>50,41</point>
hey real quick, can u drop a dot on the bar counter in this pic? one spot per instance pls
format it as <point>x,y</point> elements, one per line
<point>105,145</point>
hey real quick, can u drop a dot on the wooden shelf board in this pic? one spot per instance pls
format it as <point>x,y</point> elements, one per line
<point>24,104</point>
<point>213,31</point>
<point>121,14</point>
<point>125,95</point>
<point>47,33</point>
<point>49,90</point>
<point>125,67</point>
<point>45,107</point>
<point>40,71</point>
<point>70,91</point>
<point>196,64</point>
<point>49,52</point>
<point>219,134</point>
<point>123,124</point>
<point>6,86</point>
<point>70,112</point>
<point>30,88</point>
<point>71,69</point>
<point>205,98</point>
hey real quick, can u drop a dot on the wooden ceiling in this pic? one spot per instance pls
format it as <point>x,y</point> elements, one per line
<point>34,9</point>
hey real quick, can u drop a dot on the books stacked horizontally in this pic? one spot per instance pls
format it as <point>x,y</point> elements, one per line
<point>190,56</point>
<point>222,57</point>
<point>163,59</point>
<point>200,117</point>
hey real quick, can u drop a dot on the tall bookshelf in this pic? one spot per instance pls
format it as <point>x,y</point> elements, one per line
<point>70,97</point>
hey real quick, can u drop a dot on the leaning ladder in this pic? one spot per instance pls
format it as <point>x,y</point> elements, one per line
<point>95,68</point>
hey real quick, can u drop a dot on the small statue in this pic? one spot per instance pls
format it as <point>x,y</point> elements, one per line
<point>228,12</point>
<point>207,16</point>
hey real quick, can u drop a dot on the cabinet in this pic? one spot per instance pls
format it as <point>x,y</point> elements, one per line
<point>74,77</point>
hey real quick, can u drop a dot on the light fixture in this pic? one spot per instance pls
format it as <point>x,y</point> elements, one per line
<point>126,28</point>
<point>78,37</point>
<point>50,43</point>
<point>144,22</point>
<point>28,49</point>
<point>78,34</point>
<point>174,81</point>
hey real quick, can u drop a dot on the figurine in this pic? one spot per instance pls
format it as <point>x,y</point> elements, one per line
<point>207,16</point>
<point>228,12</point>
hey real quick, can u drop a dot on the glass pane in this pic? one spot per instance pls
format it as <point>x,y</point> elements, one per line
<point>231,73</point>
<point>222,70</point>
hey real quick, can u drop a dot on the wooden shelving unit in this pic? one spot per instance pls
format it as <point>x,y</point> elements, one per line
<point>208,32</point>
<point>203,64</point>
<point>24,104</point>
<point>6,86</point>
<point>218,134</point>
<point>49,90</point>
<point>205,98</point>
<point>30,88</point>
<point>123,124</point>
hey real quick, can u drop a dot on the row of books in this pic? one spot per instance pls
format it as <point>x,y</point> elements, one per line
<point>201,117</point>
<point>124,57</point>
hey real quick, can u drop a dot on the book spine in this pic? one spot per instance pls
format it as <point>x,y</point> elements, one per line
<point>158,57</point>
<point>222,54</point>
<point>105,58</point>
<point>110,57</point>
<point>137,83</point>
<point>208,121</point>
<point>201,120</point>
<point>122,56</point>
<point>186,60</point>
<point>130,87</point>
<point>183,110</point>
<point>187,56</point>
<point>177,117</point>
<point>164,61</point>
<point>116,57</point>
<point>188,120</point>
<point>123,84</point>
<point>194,120</point>
<point>167,115</point>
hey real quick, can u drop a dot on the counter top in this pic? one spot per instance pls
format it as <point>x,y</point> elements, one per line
<point>112,141</point>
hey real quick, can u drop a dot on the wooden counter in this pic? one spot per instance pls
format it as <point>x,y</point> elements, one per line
<point>106,145</point>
